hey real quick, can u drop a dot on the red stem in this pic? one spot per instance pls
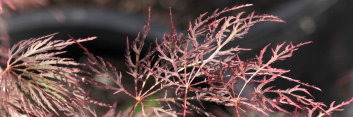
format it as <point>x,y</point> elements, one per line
<point>185,97</point>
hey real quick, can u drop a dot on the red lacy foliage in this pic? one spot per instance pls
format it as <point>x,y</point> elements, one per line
<point>180,63</point>
<point>178,74</point>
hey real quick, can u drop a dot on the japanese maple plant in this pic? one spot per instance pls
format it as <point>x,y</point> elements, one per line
<point>177,74</point>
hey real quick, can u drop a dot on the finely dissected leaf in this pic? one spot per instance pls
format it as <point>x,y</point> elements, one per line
<point>166,66</point>
<point>37,82</point>
<point>203,49</point>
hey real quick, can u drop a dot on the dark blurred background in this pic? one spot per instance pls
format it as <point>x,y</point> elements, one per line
<point>327,63</point>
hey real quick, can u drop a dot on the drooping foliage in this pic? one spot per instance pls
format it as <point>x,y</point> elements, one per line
<point>37,82</point>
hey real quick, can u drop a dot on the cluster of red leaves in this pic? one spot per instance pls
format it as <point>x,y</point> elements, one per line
<point>177,74</point>
<point>180,63</point>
